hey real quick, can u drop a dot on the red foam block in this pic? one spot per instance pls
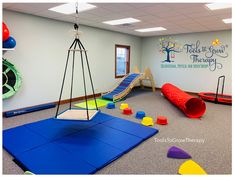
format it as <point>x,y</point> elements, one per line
<point>127,111</point>
<point>162,120</point>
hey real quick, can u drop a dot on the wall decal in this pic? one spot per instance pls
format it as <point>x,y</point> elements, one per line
<point>169,46</point>
<point>211,55</point>
<point>216,42</point>
<point>200,55</point>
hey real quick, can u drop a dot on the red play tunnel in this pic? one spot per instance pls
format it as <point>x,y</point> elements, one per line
<point>192,107</point>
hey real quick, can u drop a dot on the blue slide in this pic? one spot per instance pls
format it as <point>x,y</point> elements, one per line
<point>123,88</point>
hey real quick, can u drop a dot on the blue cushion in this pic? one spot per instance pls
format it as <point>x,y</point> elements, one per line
<point>53,129</point>
<point>28,110</point>
<point>113,137</point>
<point>101,117</point>
<point>95,152</point>
<point>19,139</point>
<point>54,146</point>
<point>131,128</point>
<point>52,159</point>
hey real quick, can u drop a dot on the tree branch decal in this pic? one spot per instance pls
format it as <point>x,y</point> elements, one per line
<point>169,46</point>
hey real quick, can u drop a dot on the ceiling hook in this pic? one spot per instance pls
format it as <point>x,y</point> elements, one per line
<point>76,25</point>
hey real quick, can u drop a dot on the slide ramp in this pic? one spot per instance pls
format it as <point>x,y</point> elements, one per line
<point>124,87</point>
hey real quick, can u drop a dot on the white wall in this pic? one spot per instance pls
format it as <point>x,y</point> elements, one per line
<point>40,56</point>
<point>189,79</point>
<point>42,48</point>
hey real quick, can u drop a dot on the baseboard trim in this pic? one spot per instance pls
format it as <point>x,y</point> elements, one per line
<point>56,102</point>
<point>89,96</point>
<point>77,99</point>
<point>157,88</point>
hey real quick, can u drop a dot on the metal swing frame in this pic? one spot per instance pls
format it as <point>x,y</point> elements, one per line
<point>77,46</point>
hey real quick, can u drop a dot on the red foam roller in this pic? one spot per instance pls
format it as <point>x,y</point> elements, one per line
<point>191,106</point>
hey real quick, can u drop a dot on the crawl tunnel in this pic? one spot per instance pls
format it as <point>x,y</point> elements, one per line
<point>191,106</point>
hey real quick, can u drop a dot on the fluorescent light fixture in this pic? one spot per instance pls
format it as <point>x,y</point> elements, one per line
<point>228,20</point>
<point>122,21</point>
<point>217,6</point>
<point>70,8</point>
<point>150,29</point>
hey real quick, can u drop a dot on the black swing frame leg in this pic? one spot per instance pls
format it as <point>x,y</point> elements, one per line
<point>82,49</point>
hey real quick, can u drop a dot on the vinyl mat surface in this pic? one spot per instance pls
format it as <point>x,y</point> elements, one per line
<point>53,146</point>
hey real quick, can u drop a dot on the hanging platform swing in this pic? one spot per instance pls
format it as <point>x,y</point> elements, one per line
<point>11,79</point>
<point>73,113</point>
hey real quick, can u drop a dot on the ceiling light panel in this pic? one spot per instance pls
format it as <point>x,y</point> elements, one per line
<point>217,6</point>
<point>70,8</point>
<point>122,21</point>
<point>227,21</point>
<point>144,30</point>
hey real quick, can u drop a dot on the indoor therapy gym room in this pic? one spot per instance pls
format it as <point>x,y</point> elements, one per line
<point>120,88</point>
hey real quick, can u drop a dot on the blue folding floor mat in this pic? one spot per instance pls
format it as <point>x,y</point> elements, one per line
<point>54,146</point>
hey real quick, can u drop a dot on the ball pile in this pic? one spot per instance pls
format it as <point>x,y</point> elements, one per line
<point>7,40</point>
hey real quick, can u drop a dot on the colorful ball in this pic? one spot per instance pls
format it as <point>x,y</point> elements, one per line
<point>5,32</point>
<point>9,43</point>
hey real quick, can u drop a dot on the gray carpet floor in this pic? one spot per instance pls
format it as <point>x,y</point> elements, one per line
<point>208,140</point>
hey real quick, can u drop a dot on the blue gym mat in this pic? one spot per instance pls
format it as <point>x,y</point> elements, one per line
<point>54,146</point>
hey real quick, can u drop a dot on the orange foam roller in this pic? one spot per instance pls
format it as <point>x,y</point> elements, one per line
<point>191,106</point>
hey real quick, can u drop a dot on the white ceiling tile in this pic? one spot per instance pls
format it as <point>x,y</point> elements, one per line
<point>177,6</point>
<point>32,7</point>
<point>167,14</point>
<point>176,17</point>
<point>134,13</point>
<point>91,17</point>
<point>205,21</point>
<point>222,11</point>
<point>5,5</point>
<point>199,9</point>
<point>141,5</point>
<point>157,8</point>
<point>217,25</point>
<point>99,11</point>
<point>183,22</point>
<point>217,28</point>
<point>44,5</point>
<point>224,16</point>
<point>49,14</point>
<point>199,15</point>
<point>116,7</point>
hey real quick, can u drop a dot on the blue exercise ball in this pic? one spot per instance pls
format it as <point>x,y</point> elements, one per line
<point>9,43</point>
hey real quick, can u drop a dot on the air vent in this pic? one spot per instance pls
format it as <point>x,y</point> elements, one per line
<point>127,25</point>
